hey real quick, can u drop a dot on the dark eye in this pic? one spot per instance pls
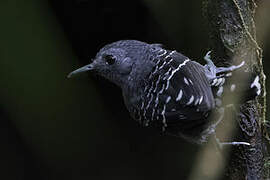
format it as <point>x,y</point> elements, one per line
<point>110,59</point>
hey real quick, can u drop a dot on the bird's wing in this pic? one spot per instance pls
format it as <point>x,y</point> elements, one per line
<point>178,93</point>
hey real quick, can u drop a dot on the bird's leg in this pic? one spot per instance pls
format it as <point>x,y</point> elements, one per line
<point>212,71</point>
<point>210,68</point>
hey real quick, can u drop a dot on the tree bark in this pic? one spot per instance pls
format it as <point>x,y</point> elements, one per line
<point>233,39</point>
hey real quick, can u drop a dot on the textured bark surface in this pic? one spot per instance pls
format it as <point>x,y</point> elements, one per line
<point>233,39</point>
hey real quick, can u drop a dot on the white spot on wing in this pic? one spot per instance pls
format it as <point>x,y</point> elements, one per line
<point>201,99</point>
<point>186,81</point>
<point>196,102</point>
<point>190,100</point>
<point>179,96</point>
<point>168,99</point>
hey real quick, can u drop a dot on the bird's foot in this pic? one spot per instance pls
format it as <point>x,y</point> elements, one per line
<point>213,72</point>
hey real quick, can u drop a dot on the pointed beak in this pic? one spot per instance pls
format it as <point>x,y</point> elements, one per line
<point>88,67</point>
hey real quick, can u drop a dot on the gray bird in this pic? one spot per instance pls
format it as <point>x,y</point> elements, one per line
<point>165,89</point>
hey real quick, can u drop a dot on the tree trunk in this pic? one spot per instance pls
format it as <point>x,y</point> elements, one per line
<point>233,39</point>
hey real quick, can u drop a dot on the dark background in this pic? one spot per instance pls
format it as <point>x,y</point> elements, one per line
<point>52,127</point>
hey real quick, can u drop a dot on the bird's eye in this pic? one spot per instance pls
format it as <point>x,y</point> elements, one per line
<point>110,59</point>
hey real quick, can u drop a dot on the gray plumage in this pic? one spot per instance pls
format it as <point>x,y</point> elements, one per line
<point>163,88</point>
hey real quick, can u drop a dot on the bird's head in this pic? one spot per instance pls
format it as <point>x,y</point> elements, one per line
<point>117,61</point>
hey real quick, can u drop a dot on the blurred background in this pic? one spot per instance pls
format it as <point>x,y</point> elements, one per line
<point>52,127</point>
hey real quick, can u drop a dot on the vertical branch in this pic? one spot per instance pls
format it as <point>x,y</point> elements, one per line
<point>233,39</point>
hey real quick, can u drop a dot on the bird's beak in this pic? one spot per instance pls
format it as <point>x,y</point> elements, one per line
<point>85,68</point>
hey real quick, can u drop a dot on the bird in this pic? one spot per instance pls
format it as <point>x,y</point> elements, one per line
<point>165,89</point>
